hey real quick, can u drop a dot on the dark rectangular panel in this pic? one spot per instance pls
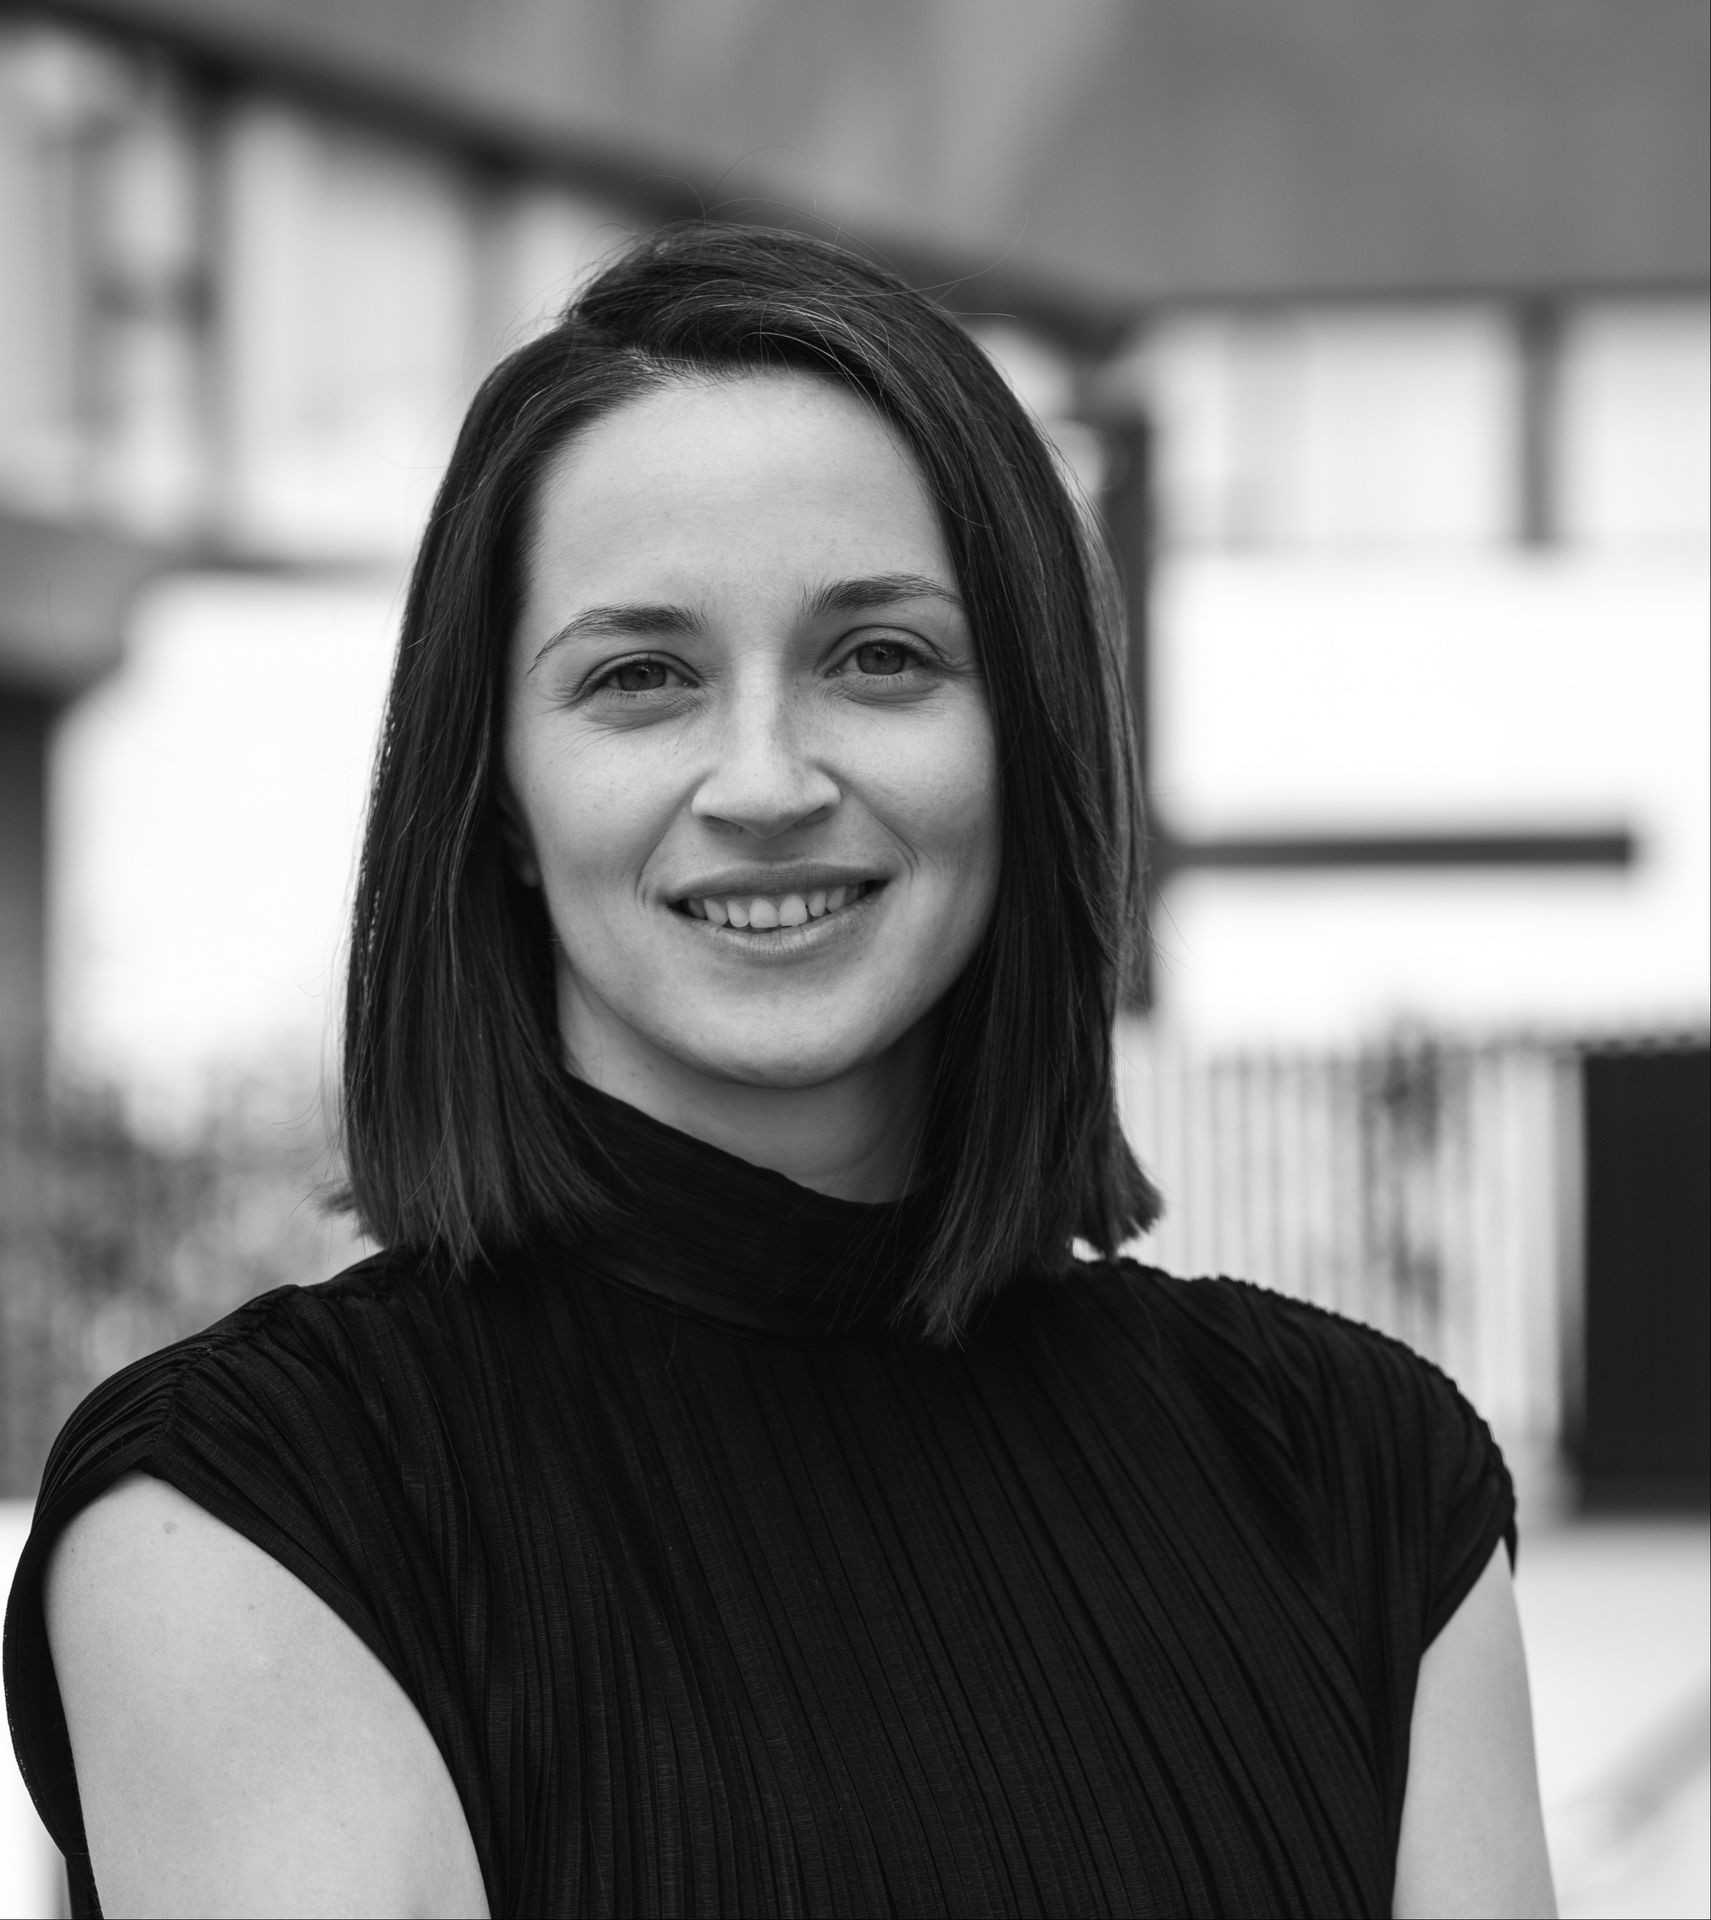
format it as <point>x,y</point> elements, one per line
<point>1645,1435</point>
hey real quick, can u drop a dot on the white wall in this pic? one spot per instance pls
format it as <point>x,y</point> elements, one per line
<point>208,801</point>
<point>1326,693</point>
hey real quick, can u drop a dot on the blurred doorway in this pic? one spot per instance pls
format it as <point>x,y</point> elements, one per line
<point>1645,1427</point>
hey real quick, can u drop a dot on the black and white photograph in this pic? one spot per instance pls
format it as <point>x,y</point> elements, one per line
<point>855,959</point>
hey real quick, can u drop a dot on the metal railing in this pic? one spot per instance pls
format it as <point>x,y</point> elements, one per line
<point>1430,1188</point>
<point>1425,1186</point>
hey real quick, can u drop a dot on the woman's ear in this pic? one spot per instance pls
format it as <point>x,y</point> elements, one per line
<point>519,848</point>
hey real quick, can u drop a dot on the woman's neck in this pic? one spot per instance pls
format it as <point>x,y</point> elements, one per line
<point>855,1138</point>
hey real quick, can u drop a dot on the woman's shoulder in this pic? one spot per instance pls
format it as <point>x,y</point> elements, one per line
<point>1375,1435</point>
<point>265,1418</point>
<point>178,1497</point>
<point>283,1346</point>
<point>288,1422</point>
<point>1305,1351</point>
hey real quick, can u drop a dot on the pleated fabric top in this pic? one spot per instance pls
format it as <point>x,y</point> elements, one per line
<point>720,1598</point>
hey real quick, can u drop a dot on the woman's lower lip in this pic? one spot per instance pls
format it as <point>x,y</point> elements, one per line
<point>783,942</point>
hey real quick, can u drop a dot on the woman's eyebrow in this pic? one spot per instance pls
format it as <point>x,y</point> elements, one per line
<point>641,619</point>
<point>877,590</point>
<point>648,620</point>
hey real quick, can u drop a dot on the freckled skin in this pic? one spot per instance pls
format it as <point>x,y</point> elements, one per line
<point>761,732</point>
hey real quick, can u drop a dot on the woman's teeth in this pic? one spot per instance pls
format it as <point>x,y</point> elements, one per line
<point>762,911</point>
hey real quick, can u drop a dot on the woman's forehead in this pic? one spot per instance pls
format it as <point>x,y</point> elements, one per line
<point>705,482</point>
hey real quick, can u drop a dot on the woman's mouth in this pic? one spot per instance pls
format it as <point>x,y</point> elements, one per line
<point>763,912</point>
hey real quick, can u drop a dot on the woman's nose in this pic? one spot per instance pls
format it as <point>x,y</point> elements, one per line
<point>763,779</point>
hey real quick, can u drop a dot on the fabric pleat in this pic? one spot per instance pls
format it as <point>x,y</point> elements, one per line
<point>722,1597</point>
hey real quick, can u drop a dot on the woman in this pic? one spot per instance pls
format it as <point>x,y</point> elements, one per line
<point>729,1494</point>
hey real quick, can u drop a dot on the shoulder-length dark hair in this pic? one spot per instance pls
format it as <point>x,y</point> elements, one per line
<point>463,1137</point>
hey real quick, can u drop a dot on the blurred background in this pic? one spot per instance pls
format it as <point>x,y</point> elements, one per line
<point>1379,335</point>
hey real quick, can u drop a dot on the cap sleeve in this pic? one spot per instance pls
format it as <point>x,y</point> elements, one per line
<point>249,1421</point>
<point>1474,1507</point>
<point>1408,1474</point>
<point>1409,1494</point>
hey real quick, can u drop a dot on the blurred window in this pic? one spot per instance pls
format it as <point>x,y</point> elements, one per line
<point>347,302</point>
<point>1320,428</point>
<point>1326,428</point>
<point>1634,424</point>
<point>55,92</point>
<point>103,298</point>
<point>539,242</point>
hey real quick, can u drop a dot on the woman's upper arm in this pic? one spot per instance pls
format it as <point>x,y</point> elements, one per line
<point>1473,1837</point>
<point>238,1749</point>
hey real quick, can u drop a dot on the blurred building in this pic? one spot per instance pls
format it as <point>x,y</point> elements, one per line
<point>1381,335</point>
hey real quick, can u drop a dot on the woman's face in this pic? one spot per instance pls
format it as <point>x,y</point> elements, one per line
<point>748,752</point>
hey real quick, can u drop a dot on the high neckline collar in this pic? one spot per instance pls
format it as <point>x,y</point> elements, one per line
<point>728,1241</point>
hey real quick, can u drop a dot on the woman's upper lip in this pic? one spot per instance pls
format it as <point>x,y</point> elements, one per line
<point>773,882</point>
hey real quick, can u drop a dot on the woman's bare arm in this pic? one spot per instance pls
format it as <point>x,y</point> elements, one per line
<point>239,1750</point>
<point>1473,1837</point>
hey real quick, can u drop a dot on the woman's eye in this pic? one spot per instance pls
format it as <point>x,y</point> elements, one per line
<point>638,676</point>
<point>882,657</point>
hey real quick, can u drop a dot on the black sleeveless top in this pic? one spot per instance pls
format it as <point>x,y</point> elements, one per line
<point>720,1598</point>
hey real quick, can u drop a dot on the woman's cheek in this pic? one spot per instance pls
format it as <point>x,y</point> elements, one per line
<point>600,810</point>
<point>940,791</point>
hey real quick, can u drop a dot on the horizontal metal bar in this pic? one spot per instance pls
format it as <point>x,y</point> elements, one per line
<point>1606,847</point>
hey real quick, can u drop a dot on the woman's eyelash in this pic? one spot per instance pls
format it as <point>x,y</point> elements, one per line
<point>605,681</point>
<point>914,654</point>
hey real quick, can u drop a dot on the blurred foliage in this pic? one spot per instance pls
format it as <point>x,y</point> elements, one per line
<point>116,1240</point>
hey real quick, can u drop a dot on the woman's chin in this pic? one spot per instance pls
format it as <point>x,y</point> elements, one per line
<point>769,1056</point>
<point>768,1047</point>
<point>778,1071</point>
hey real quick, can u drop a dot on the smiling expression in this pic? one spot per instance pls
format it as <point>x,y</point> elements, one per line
<point>748,752</point>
